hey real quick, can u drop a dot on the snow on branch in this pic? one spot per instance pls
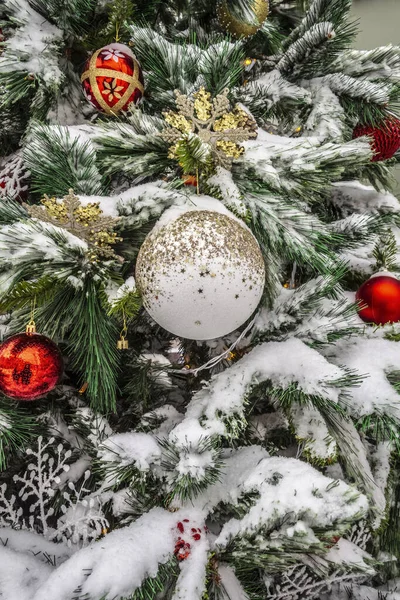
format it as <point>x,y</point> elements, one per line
<point>369,91</point>
<point>375,358</point>
<point>320,10</point>
<point>312,39</point>
<point>379,63</point>
<point>133,552</point>
<point>318,502</point>
<point>313,434</point>
<point>224,399</point>
<point>34,47</point>
<point>326,119</point>
<point>53,250</point>
<point>355,197</point>
<point>269,89</point>
<point>60,160</point>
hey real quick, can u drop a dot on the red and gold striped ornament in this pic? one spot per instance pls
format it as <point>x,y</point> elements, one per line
<point>113,79</point>
<point>386,138</point>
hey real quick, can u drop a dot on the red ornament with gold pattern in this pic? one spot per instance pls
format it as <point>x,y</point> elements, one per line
<point>113,79</point>
<point>30,365</point>
<point>379,299</point>
<point>386,138</point>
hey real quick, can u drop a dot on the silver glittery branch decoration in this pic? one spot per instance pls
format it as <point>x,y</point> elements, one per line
<point>81,520</point>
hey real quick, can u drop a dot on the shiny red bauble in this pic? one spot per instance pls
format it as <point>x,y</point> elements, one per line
<point>386,138</point>
<point>113,79</point>
<point>30,366</point>
<point>379,298</point>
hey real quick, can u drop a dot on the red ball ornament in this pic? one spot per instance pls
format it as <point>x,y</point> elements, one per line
<point>380,300</point>
<point>386,138</point>
<point>112,79</point>
<point>30,366</point>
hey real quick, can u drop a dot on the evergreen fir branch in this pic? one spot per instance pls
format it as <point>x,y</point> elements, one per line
<point>285,397</point>
<point>11,211</point>
<point>145,385</point>
<point>193,155</point>
<point>14,118</point>
<point>390,536</point>
<point>273,96</point>
<point>129,305</point>
<point>310,42</point>
<point>121,15</point>
<point>19,85</point>
<point>125,151</point>
<point>380,427</point>
<point>369,64</point>
<point>378,174</point>
<point>362,89</point>
<point>26,292</point>
<point>16,429</point>
<point>385,251</point>
<point>335,11</point>
<point>186,486</point>
<point>353,454</point>
<point>92,346</point>
<point>221,66</point>
<point>356,230</point>
<point>166,577</point>
<point>59,162</point>
<point>286,232</point>
<point>72,17</point>
<point>34,249</point>
<point>186,67</point>
<point>119,475</point>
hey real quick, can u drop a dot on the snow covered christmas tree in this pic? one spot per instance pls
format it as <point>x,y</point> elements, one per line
<point>199,367</point>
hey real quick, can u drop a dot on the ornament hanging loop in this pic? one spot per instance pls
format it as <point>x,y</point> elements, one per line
<point>117,38</point>
<point>31,326</point>
<point>123,343</point>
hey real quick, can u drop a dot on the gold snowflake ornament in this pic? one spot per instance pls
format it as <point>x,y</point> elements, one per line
<point>204,128</point>
<point>85,222</point>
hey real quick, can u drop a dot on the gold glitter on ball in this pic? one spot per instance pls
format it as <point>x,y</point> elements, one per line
<point>201,275</point>
<point>238,28</point>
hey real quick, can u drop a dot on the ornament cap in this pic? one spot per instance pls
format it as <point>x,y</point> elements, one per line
<point>123,344</point>
<point>31,328</point>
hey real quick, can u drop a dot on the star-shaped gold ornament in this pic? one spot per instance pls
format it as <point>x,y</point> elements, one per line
<point>210,126</point>
<point>86,222</point>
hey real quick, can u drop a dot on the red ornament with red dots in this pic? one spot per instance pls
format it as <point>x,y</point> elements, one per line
<point>379,300</point>
<point>386,138</point>
<point>112,79</point>
<point>184,541</point>
<point>30,366</point>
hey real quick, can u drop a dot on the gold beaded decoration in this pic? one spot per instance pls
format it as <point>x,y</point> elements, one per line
<point>220,128</point>
<point>86,222</point>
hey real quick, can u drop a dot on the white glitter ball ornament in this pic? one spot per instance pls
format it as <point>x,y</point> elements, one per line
<point>201,273</point>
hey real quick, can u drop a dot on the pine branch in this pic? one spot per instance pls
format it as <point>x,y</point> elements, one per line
<point>92,346</point>
<point>16,429</point>
<point>125,151</point>
<point>188,485</point>
<point>11,211</point>
<point>72,17</point>
<point>58,162</point>
<point>336,11</point>
<point>166,577</point>
<point>25,292</point>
